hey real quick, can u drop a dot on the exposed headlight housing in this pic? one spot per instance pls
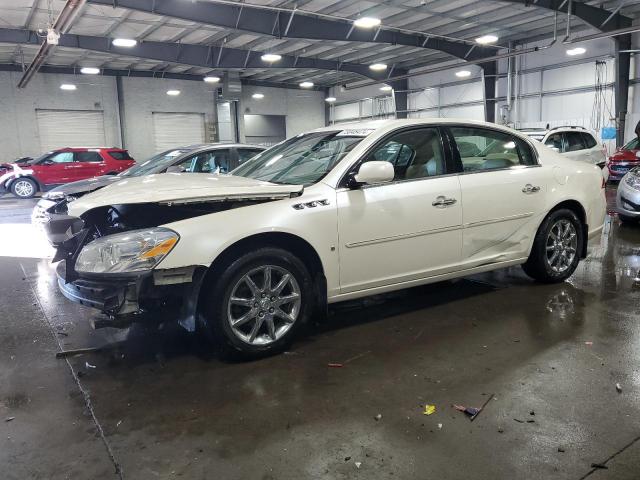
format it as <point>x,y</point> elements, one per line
<point>129,252</point>
<point>53,195</point>
<point>632,178</point>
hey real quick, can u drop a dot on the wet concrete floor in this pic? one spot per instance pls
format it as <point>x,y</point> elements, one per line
<point>161,405</point>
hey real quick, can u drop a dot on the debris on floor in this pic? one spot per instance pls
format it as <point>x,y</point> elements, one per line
<point>9,419</point>
<point>561,450</point>
<point>588,343</point>
<point>88,365</point>
<point>471,411</point>
<point>358,464</point>
<point>335,365</point>
<point>618,388</point>
<point>77,351</point>
<point>599,465</point>
<point>439,426</point>
<point>518,420</point>
<point>429,409</point>
<point>378,417</point>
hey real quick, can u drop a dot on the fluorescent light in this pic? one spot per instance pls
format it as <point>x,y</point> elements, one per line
<point>271,57</point>
<point>485,39</point>
<point>306,84</point>
<point>378,67</point>
<point>257,96</point>
<point>366,22</point>
<point>463,73</point>
<point>173,93</point>
<point>211,79</point>
<point>67,86</point>
<point>386,88</point>
<point>576,51</point>
<point>90,70</point>
<point>124,42</point>
<point>330,99</point>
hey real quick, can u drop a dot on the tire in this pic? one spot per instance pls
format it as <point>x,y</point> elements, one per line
<point>24,187</point>
<point>554,261</point>
<point>257,307</point>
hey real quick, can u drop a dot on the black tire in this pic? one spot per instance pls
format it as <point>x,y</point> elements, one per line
<point>24,187</point>
<point>538,265</point>
<point>217,310</point>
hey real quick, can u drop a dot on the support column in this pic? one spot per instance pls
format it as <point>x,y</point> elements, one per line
<point>121,114</point>
<point>622,65</point>
<point>400,88</point>
<point>489,80</point>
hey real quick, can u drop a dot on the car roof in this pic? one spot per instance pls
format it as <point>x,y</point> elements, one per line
<point>207,146</point>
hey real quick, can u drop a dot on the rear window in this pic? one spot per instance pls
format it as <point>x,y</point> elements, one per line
<point>589,141</point>
<point>88,157</point>
<point>120,155</point>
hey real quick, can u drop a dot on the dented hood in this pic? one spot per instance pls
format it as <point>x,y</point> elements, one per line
<point>180,188</point>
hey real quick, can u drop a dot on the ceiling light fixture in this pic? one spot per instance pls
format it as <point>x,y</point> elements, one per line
<point>463,74</point>
<point>386,88</point>
<point>576,51</point>
<point>486,39</point>
<point>90,70</point>
<point>173,93</point>
<point>67,86</point>
<point>271,57</point>
<point>366,22</point>
<point>306,84</point>
<point>211,79</point>
<point>330,99</point>
<point>378,67</point>
<point>124,42</point>
<point>258,96</point>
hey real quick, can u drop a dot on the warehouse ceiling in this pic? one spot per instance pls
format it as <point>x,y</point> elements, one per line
<point>459,20</point>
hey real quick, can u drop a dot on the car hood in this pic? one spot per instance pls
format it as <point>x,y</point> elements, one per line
<point>85,186</point>
<point>181,188</point>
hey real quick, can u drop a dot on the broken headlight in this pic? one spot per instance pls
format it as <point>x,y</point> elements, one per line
<point>632,178</point>
<point>134,251</point>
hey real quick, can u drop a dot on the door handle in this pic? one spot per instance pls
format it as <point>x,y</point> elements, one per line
<point>443,202</point>
<point>528,188</point>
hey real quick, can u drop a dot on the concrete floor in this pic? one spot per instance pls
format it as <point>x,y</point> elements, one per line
<point>160,406</point>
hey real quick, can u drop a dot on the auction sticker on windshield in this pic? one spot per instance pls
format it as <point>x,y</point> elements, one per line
<point>356,132</point>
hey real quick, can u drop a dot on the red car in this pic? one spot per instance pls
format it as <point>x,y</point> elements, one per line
<point>62,166</point>
<point>624,160</point>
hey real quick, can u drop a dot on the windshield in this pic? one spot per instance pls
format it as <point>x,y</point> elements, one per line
<point>632,145</point>
<point>301,160</point>
<point>155,164</point>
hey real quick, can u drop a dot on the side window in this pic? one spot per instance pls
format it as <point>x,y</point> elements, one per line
<point>588,140</point>
<point>88,157</point>
<point>62,157</point>
<point>245,154</point>
<point>414,154</point>
<point>485,149</point>
<point>218,161</point>
<point>120,155</point>
<point>574,141</point>
<point>555,141</point>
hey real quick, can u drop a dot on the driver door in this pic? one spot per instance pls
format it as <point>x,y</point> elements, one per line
<point>57,168</point>
<point>405,230</point>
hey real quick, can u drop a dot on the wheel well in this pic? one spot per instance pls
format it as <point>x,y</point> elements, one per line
<point>577,208</point>
<point>292,243</point>
<point>9,182</point>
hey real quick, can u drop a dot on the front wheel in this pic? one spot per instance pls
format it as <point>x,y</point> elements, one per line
<point>259,303</point>
<point>556,249</point>
<point>24,188</point>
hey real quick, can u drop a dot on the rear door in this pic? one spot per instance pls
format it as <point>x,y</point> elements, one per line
<point>88,163</point>
<point>502,188</point>
<point>575,147</point>
<point>596,152</point>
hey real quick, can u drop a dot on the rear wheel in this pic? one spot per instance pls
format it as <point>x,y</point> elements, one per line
<point>259,303</point>
<point>24,187</point>
<point>556,249</point>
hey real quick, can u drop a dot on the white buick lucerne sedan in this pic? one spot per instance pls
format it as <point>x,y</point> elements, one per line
<point>337,213</point>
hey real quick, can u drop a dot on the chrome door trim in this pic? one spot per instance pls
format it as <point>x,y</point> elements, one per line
<point>402,236</point>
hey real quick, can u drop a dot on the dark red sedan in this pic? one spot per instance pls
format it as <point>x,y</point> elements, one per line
<point>624,159</point>
<point>62,166</point>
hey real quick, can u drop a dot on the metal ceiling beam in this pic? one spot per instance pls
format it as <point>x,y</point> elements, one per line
<point>260,20</point>
<point>218,57</point>
<point>598,18</point>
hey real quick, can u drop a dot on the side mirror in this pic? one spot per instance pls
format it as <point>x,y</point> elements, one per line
<point>175,169</point>
<point>374,172</point>
<point>46,162</point>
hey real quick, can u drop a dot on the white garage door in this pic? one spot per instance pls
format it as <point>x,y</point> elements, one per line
<point>172,130</point>
<point>70,128</point>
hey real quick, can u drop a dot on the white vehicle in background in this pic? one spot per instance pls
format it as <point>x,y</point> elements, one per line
<point>337,213</point>
<point>576,143</point>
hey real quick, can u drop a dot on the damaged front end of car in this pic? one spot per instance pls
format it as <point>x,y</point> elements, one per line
<point>109,259</point>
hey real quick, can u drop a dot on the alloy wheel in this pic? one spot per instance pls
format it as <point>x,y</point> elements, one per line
<point>263,305</point>
<point>23,188</point>
<point>561,246</point>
